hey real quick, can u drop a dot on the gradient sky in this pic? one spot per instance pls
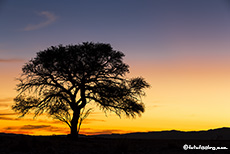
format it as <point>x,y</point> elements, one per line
<point>181,47</point>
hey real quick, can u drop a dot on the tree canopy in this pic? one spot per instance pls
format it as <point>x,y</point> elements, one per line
<point>62,80</point>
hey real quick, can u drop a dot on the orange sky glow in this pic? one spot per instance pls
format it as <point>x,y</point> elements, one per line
<point>183,54</point>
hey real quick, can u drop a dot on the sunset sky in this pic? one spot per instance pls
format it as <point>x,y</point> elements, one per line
<point>181,47</point>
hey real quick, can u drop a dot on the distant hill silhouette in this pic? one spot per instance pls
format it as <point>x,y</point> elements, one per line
<point>11,134</point>
<point>212,134</point>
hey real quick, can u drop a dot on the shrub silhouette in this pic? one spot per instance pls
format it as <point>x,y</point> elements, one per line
<point>62,80</point>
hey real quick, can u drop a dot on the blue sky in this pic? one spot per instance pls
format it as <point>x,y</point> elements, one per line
<point>152,27</point>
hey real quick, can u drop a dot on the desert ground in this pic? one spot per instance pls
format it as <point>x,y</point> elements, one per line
<point>25,144</point>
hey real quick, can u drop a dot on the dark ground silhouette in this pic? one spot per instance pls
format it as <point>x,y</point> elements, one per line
<point>63,145</point>
<point>25,144</point>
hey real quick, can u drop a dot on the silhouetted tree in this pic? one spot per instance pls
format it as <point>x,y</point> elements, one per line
<point>62,80</point>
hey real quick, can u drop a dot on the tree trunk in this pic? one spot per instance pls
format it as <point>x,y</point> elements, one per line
<point>74,124</point>
<point>76,112</point>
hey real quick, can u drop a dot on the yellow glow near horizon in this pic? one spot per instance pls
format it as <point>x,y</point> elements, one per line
<point>183,96</point>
